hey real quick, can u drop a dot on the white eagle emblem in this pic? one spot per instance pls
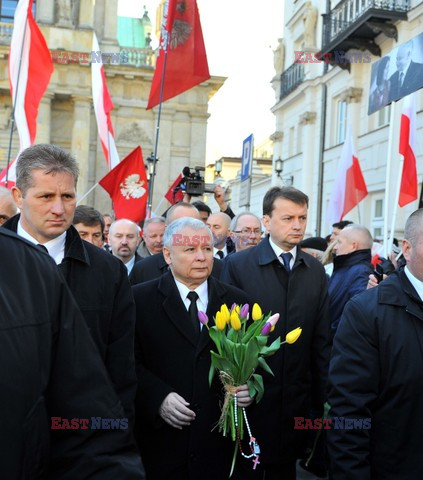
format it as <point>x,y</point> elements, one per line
<point>131,187</point>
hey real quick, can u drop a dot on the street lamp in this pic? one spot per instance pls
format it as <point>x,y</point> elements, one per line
<point>218,167</point>
<point>150,165</point>
<point>279,166</point>
<point>151,162</point>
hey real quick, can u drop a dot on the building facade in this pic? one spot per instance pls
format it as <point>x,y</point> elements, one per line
<point>315,101</point>
<point>66,116</point>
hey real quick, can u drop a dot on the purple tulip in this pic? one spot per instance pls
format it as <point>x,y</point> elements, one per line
<point>204,319</point>
<point>244,311</point>
<point>266,328</point>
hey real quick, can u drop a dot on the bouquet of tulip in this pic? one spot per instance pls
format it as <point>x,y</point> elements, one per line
<point>241,349</point>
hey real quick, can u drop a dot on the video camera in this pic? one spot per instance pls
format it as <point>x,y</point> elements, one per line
<point>193,183</point>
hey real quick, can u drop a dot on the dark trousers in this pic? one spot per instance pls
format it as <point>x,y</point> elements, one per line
<point>244,471</point>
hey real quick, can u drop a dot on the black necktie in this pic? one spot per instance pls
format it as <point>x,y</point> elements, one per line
<point>286,259</point>
<point>42,247</point>
<point>193,312</point>
<point>220,254</point>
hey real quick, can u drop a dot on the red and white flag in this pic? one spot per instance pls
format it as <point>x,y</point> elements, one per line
<point>30,69</point>
<point>127,186</point>
<point>407,148</point>
<point>103,105</point>
<point>186,62</point>
<point>173,196</point>
<point>349,186</point>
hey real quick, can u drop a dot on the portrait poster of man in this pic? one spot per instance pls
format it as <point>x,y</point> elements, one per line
<point>397,74</point>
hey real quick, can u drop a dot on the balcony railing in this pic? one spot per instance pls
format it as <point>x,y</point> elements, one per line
<point>291,79</point>
<point>139,57</point>
<point>347,12</point>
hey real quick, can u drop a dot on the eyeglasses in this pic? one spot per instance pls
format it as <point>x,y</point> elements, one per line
<point>249,231</point>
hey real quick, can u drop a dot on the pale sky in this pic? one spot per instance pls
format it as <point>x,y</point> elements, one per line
<point>240,36</point>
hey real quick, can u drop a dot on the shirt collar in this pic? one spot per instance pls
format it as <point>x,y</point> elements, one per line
<point>224,250</point>
<point>417,284</point>
<point>55,247</point>
<point>278,250</point>
<point>130,265</point>
<point>201,290</point>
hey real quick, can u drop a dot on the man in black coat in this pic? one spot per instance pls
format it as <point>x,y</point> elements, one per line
<point>281,278</point>
<point>52,375</point>
<point>155,266</point>
<point>376,375</point>
<point>46,179</point>
<point>176,409</point>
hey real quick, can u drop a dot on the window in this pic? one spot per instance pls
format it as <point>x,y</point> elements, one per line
<point>7,10</point>
<point>383,116</point>
<point>377,217</point>
<point>291,140</point>
<point>341,121</point>
<point>379,208</point>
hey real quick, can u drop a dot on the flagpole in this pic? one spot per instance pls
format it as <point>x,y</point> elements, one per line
<point>388,181</point>
<point>159,205</point>
<point>87,193</point>
<point>12,120</point>
<point>156,142</point>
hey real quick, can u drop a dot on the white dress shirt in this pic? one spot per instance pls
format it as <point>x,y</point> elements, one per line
<point>55,247</point>
<point>203,296</point>
<point>130,265</point>
<point>278,252</point>
<point>224,250</point>
<point>417,284</point>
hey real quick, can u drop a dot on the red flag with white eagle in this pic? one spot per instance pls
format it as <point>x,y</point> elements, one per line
<point>185,64</point>
<point>349,186</point>
<point>407,148</point>
<point>127,186</point>
<point>30,69</point>
<point>103,105</point>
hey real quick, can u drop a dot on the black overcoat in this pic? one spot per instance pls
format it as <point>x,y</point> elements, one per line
<point>300,369</point>
<point>170,360</point>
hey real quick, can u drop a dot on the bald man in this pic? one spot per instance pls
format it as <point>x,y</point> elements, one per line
<point>123,240</point>
<point>219,223</point>
<point>351,268</point>
<point>8,207</point>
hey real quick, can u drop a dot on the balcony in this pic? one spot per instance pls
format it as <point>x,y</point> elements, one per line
<point>356,23</point>
<point>138,57</point>
<point>291,79</point>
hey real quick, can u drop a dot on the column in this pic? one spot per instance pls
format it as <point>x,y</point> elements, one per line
<point>80,146</point>
<point>86,14</point>
<point>307,122</point>
<point>44,119</point>
<point>110,23</point>
<point>45,11</point>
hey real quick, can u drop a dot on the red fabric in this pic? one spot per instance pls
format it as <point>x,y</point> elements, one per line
<point>355,187</point>
<point>179,196</point>
<point>408,190</point>
<point>375,260</point>
<point>127,186</point>
<point>186,63</point>
<point>107,101</point>
<point>40,68</point>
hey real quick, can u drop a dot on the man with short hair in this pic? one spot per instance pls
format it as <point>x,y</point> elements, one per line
<point>7,205</point>
<point>203,209</point>
<point>337,227</point>
<point>108,220</point>
<point>45,192</point>
<point>351,268</point>
<point>53,381</point>
<point>156,265</point>
<point>90,224</point>
<point>123,239</point>
<point>282,279</point>
<point>176,409</point>
<point>219,223</point>
<point>152,237</point>
<point>375,375</point>
<point>245,231</point>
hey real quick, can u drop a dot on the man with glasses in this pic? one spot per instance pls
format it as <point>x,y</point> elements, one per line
<point>246,231</point>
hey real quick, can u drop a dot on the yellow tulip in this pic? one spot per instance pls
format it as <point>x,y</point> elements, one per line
<point>235,321</point>
<point>237,309</point>
<point>224,311</point>
<point>220,322</point>
<point>256,313</point>
<point>293,335</point>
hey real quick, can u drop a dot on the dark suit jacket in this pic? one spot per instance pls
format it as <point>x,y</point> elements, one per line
<point>169,360</point>
<point>412,81</point>
<point>138,258</point>
<point>300,369</point>
<point>155,266</point>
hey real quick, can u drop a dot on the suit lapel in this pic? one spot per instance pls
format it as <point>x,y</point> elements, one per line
<point>216,298</point>
<point>175,308</point>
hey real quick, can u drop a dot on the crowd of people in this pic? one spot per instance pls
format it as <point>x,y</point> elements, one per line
<point>105,364</point>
